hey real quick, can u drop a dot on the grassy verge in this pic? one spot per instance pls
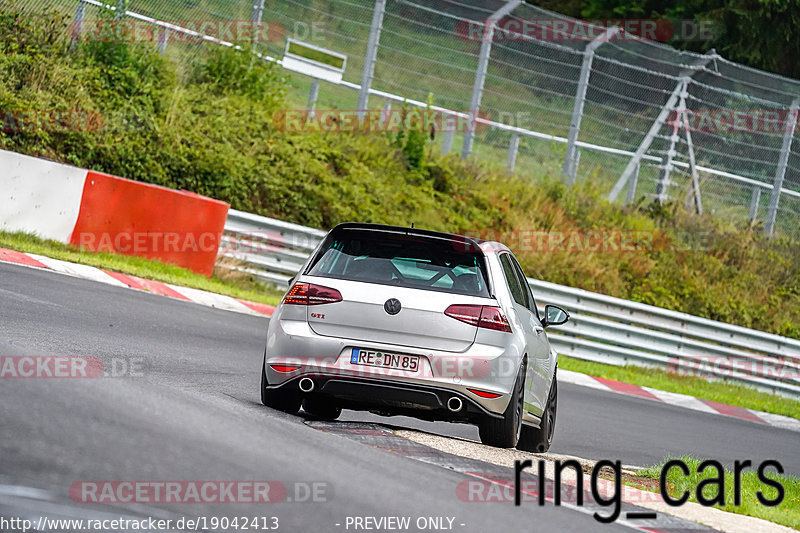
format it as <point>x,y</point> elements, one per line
<point>221,282</point>
<point>787,513</point>
<point>717,391</point>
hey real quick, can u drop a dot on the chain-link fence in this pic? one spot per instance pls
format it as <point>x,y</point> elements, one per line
<point>546,94</point>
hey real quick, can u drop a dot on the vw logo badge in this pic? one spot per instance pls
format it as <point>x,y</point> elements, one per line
<point>392,306</point>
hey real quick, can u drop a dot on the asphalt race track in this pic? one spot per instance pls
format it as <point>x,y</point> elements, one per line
<point>190,410</point>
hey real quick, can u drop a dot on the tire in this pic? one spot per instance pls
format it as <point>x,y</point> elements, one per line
<point>505,432</point>
<point>538,440</point>
<point>287,401</point>
<point>321,408</point>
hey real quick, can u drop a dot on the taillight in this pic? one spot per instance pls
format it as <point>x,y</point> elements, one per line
<point>484,394</point>
<point>310,294</point>
<point>482,316</point>
<point>470,314</point>
<point>493,318</point>
<point>284,368</point>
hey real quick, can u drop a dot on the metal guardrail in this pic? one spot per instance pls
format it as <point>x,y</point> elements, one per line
<point>269,249</point>
<point>602,328</point>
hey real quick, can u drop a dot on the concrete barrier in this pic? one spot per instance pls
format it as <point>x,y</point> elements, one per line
<point>105,213</point>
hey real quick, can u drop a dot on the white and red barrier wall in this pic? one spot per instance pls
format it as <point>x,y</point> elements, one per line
<point>105,213</point>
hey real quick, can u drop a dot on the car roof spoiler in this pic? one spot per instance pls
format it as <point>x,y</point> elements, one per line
<point>463,242</point>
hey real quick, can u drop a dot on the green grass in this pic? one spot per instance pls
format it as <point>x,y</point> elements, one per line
<point>716,391</point>
<point>222,282</point>
<point>316,55</point>
<point>787,513</point>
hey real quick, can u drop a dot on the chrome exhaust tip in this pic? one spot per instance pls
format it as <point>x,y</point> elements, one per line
<point>455,404</point>
<point>306,384</point>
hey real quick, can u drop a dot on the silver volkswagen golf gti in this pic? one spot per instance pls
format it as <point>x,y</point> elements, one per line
<point>407,321</point>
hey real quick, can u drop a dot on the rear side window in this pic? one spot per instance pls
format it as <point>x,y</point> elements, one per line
<point>411,261</point>
<point>518,292</point>
<point>525,286</point>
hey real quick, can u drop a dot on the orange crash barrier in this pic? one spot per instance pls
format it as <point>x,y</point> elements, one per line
<point>134,218</point>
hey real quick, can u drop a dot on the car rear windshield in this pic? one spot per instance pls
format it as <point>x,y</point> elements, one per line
<point>413,261</point>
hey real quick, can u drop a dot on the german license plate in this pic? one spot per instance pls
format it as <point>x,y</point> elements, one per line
<point>384,359</point>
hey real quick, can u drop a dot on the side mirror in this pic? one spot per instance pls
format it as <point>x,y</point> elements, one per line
<point>554,316</point>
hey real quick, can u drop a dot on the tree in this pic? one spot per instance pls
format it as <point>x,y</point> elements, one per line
<point>763,34</point>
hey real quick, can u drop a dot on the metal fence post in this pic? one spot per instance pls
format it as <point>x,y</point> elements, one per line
<point>665,170</point>
<point>694,193</point>
<point>121,10</point>
<point>385,114</point>
<point>371,55</point>
<point>163,38</point>
<point>449,133</point>
<point>755,198</point>
<point>632,186</point>
<point>570,168</point>
<point>77,23</point>
<point>313,93</point>
<point>669,106</point>
<point>513,146</point>
<point>480,73</point>
<point>780,171</point>
<point>255,17</point>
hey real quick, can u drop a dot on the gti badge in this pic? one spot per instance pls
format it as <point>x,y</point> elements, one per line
<point>392,306</point>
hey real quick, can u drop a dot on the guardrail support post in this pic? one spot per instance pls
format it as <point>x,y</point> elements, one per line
<point>755,198</point>
<point>480,73</point>
<point>313,93</point>
<point>780,171</point>
<point>371,55</point>
<point>570,167</point>
<point>669,106</point>
<point>513,146</point>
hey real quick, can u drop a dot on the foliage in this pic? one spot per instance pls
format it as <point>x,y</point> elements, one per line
<point>210,130</point>
<point>764,34</point>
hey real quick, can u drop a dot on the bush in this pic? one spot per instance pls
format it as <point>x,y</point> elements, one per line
<point>210,130</point>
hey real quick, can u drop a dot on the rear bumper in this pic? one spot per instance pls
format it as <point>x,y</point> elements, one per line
<point>394,398</point>
<point>442,375</point>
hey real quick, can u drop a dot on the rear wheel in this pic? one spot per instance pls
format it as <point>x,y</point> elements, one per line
<point>505,432</point>
<point>282,400</point>
<point>321,407</point>
<point>538,440</point>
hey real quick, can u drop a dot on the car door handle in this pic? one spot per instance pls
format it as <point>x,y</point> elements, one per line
<point>538,329</point>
